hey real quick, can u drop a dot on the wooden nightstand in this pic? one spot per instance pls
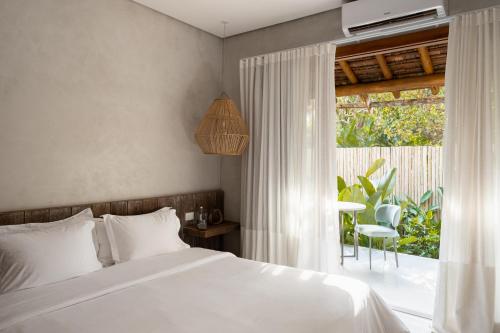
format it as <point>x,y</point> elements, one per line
<point>212,237</point>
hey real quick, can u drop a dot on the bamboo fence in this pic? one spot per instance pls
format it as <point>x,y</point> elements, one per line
<point>419,168</point>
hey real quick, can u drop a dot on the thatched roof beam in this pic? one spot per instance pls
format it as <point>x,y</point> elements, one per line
<point>410,83</point>
<point>425,58</point>
<point>404,102</point>
<point>386,71</point>
<point>427,65</point>
<point>348,71</point>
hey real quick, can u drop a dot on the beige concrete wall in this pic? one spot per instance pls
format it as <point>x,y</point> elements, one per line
<point>99,101</point>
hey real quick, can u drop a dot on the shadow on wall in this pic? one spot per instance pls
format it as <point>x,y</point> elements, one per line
<point>193,107</point>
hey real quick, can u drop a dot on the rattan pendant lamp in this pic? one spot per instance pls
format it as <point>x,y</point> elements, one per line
<point>222,130</point>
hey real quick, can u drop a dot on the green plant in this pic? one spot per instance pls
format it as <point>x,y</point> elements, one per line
<point>420,225</point>
<point>389,126</point>
<point>358,131</point>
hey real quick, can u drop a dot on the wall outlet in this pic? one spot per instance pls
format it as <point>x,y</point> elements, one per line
<point>189,216</point>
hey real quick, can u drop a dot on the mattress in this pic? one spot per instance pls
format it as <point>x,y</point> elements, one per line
<point>199,290</point>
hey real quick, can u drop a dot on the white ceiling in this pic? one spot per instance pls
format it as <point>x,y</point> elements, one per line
<point>241,15</point>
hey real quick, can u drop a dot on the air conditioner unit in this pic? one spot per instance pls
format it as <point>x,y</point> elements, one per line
<point>372,16</point>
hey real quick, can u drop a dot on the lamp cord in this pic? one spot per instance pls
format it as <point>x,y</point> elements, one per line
<point>223,60</point>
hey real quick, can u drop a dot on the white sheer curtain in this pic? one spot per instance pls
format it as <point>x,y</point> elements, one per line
<point>289,171</point>
<point>469,286</point>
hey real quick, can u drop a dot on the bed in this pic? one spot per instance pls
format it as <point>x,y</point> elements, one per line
<point>198,290</point>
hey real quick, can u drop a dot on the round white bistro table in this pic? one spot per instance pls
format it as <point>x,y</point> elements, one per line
<point>354,208</point>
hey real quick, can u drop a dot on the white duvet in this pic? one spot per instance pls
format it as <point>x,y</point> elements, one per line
<point>197,290</point>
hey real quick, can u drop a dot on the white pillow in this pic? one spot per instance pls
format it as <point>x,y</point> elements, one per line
<point>103,244</point>
<point>101,241</point>
<point>139,236</point>
<point>84,215</point>
<point>31,258</point>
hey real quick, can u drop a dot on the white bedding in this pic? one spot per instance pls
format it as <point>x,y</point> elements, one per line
<point>197,290</point>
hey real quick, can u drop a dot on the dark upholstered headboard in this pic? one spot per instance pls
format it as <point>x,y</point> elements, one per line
<point>186,202</point>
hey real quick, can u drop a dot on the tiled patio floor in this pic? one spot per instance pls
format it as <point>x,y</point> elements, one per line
<point>409,288</point>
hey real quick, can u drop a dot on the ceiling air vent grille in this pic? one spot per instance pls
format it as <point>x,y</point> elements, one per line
<point>396,21</point>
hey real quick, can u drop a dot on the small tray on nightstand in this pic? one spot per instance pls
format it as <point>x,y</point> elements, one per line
<point>212,230</point>
<point>212,237</point>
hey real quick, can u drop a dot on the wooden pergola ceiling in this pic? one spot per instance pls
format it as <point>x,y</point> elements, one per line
<point>393,64</point>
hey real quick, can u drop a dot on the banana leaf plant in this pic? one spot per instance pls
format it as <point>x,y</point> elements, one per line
<point>370,192</point>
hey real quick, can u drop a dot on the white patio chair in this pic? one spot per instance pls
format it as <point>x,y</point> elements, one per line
<point>387,217</point>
